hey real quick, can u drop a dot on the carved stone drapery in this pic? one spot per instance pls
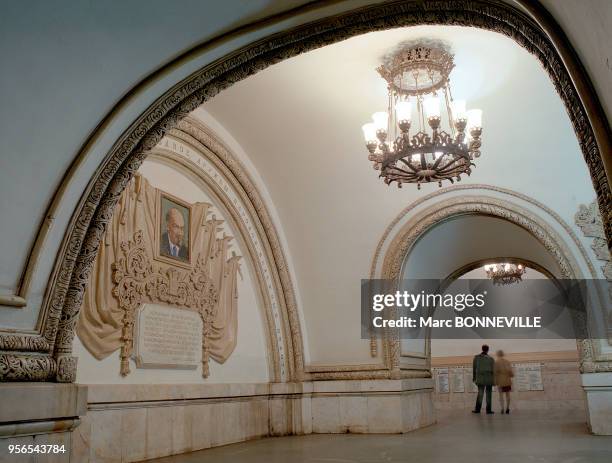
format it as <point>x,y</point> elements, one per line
<point>589,220</point>
<point>90,219</point>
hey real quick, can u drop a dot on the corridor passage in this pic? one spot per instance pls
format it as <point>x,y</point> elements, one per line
<point>459,438</point>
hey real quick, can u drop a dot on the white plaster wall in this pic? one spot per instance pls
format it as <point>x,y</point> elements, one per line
<point>437,255</point>
<point>587,24</point>
<point>247,363</point>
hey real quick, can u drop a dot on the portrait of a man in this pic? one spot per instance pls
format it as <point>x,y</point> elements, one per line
<point>174,237</point>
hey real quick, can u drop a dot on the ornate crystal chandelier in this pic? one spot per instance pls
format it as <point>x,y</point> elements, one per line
<point>505,273</point>
<point>417,77</point>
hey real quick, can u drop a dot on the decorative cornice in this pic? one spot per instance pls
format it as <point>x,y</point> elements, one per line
<point>14,367</point>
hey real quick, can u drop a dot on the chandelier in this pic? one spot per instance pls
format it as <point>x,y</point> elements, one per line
<point>505,273</point>
<point>417,77</point>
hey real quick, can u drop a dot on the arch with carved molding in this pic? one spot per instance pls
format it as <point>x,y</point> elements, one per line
<point>404,237</point>
<point>193,149</point>
<point>46,355</point>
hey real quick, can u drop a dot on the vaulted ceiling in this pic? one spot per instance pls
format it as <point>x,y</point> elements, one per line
<point>66,66</point>
<point>299,124</point>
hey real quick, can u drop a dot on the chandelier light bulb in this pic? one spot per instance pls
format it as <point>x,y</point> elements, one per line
<point>432,106</point>
<point>369,132</point>
<point>381,120</point>
<point>403,111</point>
<point>474,117</point>
<point>505,273</point>
<point>458,108</point>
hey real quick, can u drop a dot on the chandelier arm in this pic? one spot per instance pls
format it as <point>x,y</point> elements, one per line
<point>447,167</point>
<point>437,162</point>
<point>453,163</point>
<point>399,169</point>
<point>451,173</point>
<point>403,160</point>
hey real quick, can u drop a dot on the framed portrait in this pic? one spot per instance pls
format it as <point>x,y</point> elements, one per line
<point>173,230</point>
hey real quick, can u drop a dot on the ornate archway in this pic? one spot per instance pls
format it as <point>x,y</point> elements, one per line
<point>47,354</point>
<point>407,235</point>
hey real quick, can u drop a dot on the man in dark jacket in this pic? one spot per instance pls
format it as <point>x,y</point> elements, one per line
<point>482,375</point>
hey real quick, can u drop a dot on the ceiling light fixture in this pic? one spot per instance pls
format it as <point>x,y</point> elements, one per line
<point>417,77</point>
<point>505,273</point>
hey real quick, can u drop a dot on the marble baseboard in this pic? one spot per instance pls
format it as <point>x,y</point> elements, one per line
<point>39,414</point>
<point>377,407</point>
<point>143,431</point>
<point>598,389</point>
<point>55,438</point>
<point>41,401</point>
<point>139,422</point>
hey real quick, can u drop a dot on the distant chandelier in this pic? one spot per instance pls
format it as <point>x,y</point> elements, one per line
<point>419,75</point>
<point>505,273</point>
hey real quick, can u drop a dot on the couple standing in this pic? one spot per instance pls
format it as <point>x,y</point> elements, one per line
<point>487,372</point>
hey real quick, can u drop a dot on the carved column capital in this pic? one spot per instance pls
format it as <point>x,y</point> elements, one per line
<point>66,369</point>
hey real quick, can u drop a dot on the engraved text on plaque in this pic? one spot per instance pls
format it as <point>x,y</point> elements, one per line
<point>168,338</point>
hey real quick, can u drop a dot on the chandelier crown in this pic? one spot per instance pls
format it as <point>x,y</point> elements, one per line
<point>417,69</point>
<point>418,80</point>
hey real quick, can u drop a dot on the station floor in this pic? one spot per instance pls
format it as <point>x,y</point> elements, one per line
<point>458,437</point>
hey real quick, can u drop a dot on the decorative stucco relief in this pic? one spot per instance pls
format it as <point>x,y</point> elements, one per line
<point>590,222</point>
<point>135,266</point>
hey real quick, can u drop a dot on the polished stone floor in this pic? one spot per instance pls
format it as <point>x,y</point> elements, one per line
<point>457,438</point>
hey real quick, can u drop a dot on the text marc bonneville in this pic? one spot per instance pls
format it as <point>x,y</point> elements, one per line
<point>459,322</point>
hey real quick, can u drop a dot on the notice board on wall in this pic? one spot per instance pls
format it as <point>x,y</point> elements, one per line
<point>528,376</point>
<point>458,379</point>
<point>441,380</point>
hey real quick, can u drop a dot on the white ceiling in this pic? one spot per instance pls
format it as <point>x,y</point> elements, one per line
<point>299,123</point>
<point>300,120</point>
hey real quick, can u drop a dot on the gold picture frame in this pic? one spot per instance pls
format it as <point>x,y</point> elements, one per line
<point>173,233</point>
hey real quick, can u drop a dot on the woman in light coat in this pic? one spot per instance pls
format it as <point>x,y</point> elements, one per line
<point>503,380</point>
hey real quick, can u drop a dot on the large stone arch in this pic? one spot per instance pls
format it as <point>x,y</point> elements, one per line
<point>46,355</point>
<point>195,150</point>
<point>403,238</point>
